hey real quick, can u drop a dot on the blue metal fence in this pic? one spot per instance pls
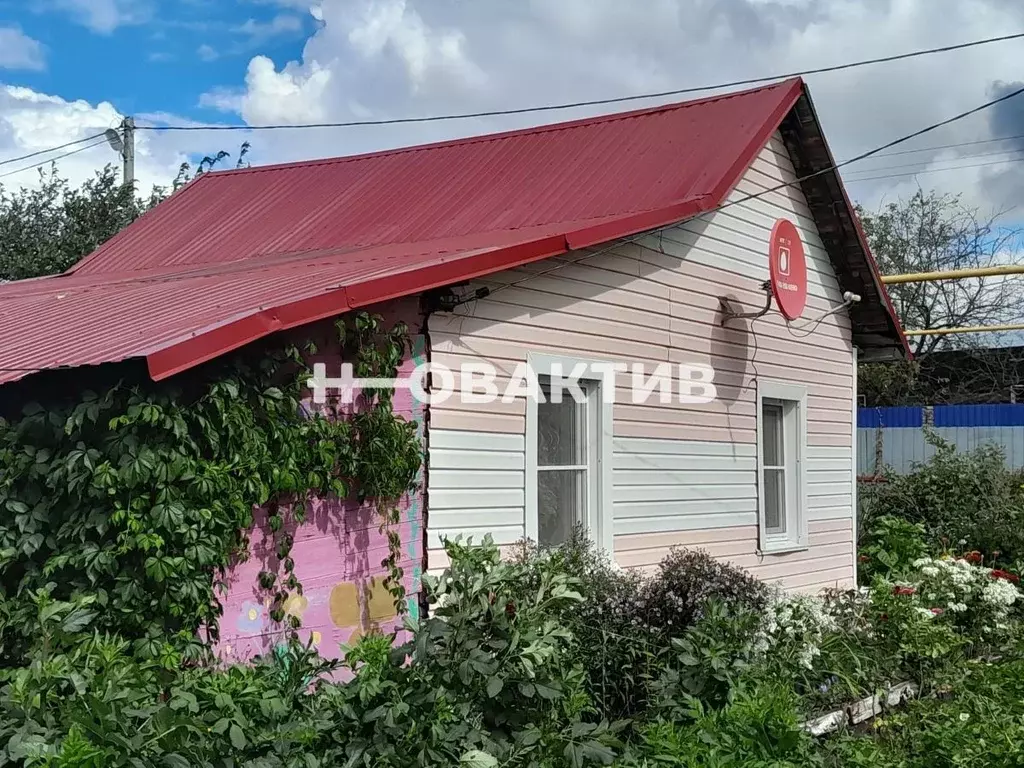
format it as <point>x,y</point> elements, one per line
<point>894,437</point>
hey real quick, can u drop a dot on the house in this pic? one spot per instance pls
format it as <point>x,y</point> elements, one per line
<point>632,238</point>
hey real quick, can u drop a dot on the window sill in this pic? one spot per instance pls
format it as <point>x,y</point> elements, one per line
<point>783,548</point>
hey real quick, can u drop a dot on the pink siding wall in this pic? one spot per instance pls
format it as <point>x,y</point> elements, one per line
<point>338,550</point>
<point>682,473</point>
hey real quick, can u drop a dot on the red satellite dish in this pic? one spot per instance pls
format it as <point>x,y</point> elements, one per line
<point>787,268</point>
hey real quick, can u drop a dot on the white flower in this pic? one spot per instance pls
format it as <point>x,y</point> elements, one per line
<point>999,593</point>
<point>964,717</point>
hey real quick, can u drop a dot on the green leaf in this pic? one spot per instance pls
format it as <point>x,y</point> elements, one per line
<point>550,690</point>
<point>477,759</point>
<point>238,740</point>
<point>494,686</point>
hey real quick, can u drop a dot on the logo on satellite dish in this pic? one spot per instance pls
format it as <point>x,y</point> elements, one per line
<point>784,261</point>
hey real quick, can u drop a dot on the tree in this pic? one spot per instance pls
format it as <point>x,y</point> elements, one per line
<point>936,232</point>
<point>46,230</point>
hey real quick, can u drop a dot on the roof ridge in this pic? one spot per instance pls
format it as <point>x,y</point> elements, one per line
<point>487,137</point>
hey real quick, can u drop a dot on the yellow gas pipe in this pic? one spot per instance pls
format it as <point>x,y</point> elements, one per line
<point>958,274</point>
<point>954,274</point>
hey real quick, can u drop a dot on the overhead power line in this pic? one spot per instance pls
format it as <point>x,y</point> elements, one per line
<point>55,159</point>
<point>923,164</point>
<point>51,149</point>
<point>934,170</point>
<point>593,102</point>
<point>953,146</point>
<point>877,150</point>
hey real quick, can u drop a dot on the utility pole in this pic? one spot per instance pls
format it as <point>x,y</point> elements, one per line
<point>128,153</point>
<point>123,142</point>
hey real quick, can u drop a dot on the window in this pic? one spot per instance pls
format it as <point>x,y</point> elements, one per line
<point>781,446</point>
<point>568,481</point>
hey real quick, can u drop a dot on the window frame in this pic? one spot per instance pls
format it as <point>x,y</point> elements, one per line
<point>794,422</point>
<point>600,514</point>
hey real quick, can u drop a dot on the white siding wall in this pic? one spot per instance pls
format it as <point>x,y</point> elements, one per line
<point>683,474</point>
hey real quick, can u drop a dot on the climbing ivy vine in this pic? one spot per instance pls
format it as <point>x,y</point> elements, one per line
<point>133,502</point>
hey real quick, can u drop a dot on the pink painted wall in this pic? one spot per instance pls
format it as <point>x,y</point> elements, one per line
<point>338,550</point>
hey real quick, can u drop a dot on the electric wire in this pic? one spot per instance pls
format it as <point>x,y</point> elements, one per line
<point>934,170</point>
<point>1018,137</point>
<point>52,159</point>
<point>592,102</point>
<point>51,149</point>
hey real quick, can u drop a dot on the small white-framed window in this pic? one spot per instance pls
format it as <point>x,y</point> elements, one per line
<point>781,465</point>
<point>568,446</point>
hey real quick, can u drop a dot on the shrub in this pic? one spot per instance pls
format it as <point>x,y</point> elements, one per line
<point>761,727</point>
<point>977,600</point>
<point>613,643</point>
<point>890,548</point>
<point>688,580</point>
<point>965,499</point>
<point>706,664</point>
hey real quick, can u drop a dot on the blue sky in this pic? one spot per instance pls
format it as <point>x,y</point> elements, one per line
<point>161,60</point>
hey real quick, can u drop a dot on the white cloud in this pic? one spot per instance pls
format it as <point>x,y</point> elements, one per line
<point>293,95</point>
<point>207,52</point>
<point>224,99</point>
<point>31,121</point>
<point>259,32</point>
<point>104,16</point>
<point>19,51</point>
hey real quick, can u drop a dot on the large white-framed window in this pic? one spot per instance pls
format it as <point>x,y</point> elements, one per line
<point>781,466</point>
<point>568,453</point>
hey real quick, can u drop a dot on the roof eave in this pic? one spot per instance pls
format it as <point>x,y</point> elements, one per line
<point>877,331</point>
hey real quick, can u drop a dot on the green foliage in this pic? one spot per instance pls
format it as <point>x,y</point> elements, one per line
<point>705,665</point>
<point>49,228</point>
<point>890,548</point>
<point>760,727</point>
<point>980,722</point>
<point>636,637</point>
<point>138,498</point>
<point>488,679</point>
<point>964,500</point>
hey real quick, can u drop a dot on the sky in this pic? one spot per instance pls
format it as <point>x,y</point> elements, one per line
<point>71,68</point>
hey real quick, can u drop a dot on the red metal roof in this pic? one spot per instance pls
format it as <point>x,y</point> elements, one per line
<point>568,173</point>
<point>240,254</point>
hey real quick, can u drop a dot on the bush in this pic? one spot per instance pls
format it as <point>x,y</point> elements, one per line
<point>890,548</point>
<point>625,625</point>
<point>761,727</point>
<point>962,499</point>
<point>688,580</point>
<point>613,644</point>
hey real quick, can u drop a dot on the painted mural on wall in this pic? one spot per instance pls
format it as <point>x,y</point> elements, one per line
<point>338,552</point>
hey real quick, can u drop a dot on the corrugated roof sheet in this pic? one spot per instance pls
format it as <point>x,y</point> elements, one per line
<point>608,166</point>
<point>237,255</point>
